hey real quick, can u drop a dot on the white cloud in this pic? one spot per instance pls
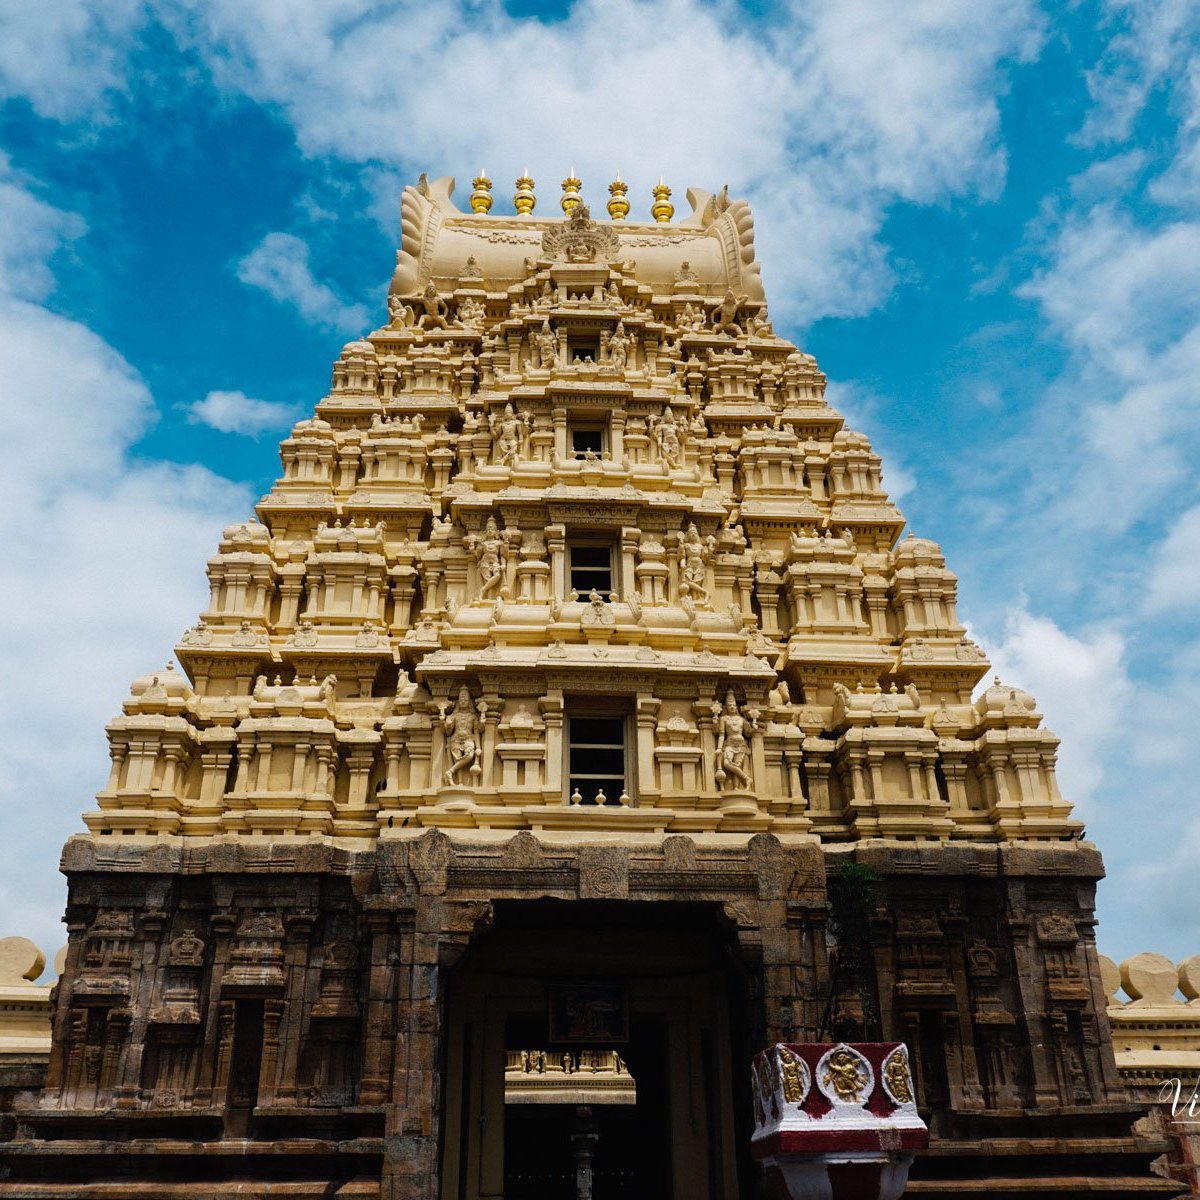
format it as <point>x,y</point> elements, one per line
<point>235,412</point>
<point>1151,39</point>
<point>106,564</point>
<point>1081,686</point>
<point>279,265</point>
<point>29,235</point>
<point>824,118</point>
<point>65,56</point>
<point>1125,300</point>
<point>1175,566</point>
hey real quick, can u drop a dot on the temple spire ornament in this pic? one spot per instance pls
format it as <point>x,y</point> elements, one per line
<point>662,210</point>
<point>618,205</point>
<point>481,197</point>
<point>571,197</point>
<point>524,200</point>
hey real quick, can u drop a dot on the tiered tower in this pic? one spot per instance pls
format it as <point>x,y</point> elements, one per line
<point>576,641</point>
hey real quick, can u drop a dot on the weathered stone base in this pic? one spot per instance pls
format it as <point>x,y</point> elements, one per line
<point>291,1019</point>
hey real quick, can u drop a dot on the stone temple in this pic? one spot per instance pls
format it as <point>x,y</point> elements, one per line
<point>572,722</point>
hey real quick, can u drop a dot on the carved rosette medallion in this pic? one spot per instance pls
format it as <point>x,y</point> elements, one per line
<point>844,1076</point>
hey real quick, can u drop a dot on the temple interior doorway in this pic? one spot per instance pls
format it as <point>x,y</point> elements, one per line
<point>596,1048</point>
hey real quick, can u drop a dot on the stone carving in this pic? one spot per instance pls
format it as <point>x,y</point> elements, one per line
<point>897,1079</point>
<point>668,437</point>
<point>724,318</point>
<point>543,344</point>
<point>694,570</point>
<point>733,747</point>
<point>793,1071</point>
<point>461,727</point>
<point>844,1076</point>
<point>508,435</point>
<point>436,311</point>
<point>400,315</point>
<point>491,553</point>
<point>580,239</point>
<point>597,613</point>
<point>618,349</point>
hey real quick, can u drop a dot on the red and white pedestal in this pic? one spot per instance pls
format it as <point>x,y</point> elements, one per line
<point>835,1121</point>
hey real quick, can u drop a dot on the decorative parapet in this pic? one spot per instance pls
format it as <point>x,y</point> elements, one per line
<point>25,1008</point>
<point>1156,1040</point>
<point>1156,1022</point>
<point>836,1120</point>
<point>592,1077</point>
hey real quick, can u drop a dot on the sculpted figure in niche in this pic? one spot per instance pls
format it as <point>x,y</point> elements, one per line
<point>489,551</point>
<point>725,316</point>
<point>544,345</point>
<point>508,435</point>
<point>691,318</point>
<point>694,569</point>
<point>733,749</point>
<point>668,441</point>
<point>462,741</point>
<point>435,314</point>
<point>618,348</point>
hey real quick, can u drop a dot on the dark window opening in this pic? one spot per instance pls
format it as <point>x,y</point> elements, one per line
<point>579,350</point>
<point>591,569</point>
<point>596,759</point>
<point>587,441</point>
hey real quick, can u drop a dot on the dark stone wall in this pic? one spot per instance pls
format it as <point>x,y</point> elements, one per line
<point>291,998</point>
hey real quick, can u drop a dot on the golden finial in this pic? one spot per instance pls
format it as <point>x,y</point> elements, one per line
<point>571,199</point>
<point>524,199</point>
<point>481,197</point>
<point>618,206</point>
<point>662,210</point>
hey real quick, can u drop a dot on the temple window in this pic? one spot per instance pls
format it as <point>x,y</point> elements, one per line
<point>591,567</point>
<point>588,440</point>
<point>596,757</point>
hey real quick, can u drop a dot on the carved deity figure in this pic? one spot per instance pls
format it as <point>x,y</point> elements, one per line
<point>618,348</point>
<point>896,1074</point>
<point>489,551</point>
<point>462,736</point>
<point>667,439</point>
<point>733,748</point>
<point>471,313</point>
<point>691,318</point>
<point>400,314</point>
<point>544,345</point>
<point>508,435</point>
<point>725,315</point>
<point>844,1074</point>
<point>685,274</point>
<point>694,568</point>
<point>435,314</point>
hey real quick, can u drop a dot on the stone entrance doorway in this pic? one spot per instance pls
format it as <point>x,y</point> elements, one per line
<point>611,1031</point>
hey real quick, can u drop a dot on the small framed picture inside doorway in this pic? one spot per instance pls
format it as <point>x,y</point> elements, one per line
<point>588,1012</point>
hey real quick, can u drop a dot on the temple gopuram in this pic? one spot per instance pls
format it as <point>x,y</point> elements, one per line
<point>571,723</point>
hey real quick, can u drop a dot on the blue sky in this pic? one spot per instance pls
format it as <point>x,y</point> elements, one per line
<point>984,220</point>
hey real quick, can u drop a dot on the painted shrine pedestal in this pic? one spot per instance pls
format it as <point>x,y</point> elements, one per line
<point>835,1121</point>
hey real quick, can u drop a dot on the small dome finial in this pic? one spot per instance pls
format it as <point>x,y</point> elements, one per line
<point>481,197</point>
<point>662,210</point>
<point>571,197</point>
<point>523,199</point>
<point>618,206</point>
